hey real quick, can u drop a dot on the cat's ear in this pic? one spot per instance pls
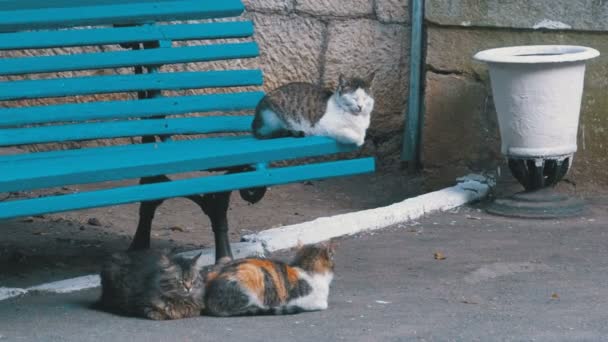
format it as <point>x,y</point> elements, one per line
<point>341,81</point>
<point>198,260</point>
<point>331,247</point>
<point>223,261</point>
<point>164,261</point>
<point>370,78</point>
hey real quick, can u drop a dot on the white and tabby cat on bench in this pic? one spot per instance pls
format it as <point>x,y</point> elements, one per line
<point>303,109</point>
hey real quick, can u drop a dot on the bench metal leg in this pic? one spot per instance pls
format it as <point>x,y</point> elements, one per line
<point>213,205</point>
<point>142,235</point>
<point>216,207</point>
<point>141,240</point>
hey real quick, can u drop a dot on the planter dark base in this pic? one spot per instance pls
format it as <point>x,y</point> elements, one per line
<point>541,204</point>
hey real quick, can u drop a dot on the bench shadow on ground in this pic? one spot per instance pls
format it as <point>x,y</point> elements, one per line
<point>40,249</point>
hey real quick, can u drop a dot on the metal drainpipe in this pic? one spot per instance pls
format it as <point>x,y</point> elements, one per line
<point>410,151</point>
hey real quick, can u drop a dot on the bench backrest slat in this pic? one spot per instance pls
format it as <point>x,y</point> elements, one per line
<point>118,35</point>
<point>128,109</point>
<point>31,89</point>
<point>142,25</point>
<point>12,5</point>
<point>118,59</point>
<point>121,129</point>
<point>35,15</point>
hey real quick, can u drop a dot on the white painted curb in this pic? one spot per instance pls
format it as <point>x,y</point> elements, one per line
<point>68,285</point>
<point>469,189</point>
<point>9,292</point>
<point>61,286</point>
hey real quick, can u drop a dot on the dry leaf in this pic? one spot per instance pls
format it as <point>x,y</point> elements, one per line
<point>177,229</point>
<point>439,256</point>
<point>555,296</point>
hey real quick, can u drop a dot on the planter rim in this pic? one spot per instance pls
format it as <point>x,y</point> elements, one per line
<point>533,54</point>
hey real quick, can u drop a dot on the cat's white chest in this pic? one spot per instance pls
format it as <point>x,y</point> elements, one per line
<point>342,125</point>
<point>319,294</point>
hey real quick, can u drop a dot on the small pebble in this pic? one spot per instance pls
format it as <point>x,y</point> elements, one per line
<point>94,221</point>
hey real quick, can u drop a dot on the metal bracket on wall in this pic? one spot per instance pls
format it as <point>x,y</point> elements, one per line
<point>410,151</point>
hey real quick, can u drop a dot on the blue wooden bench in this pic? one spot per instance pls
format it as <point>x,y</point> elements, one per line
<point>146,31</point>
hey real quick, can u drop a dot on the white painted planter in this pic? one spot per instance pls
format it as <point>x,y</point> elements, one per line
<point>538,91</point>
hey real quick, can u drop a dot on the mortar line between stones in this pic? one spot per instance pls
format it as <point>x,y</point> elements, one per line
<point>375,8</point>
<point>324,17</point>
<point>431,68</point>
<point>323,53</point>
<point>294,3</point>
<point>433,24</point>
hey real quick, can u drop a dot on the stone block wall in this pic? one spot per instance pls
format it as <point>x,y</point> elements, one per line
<point>460,131</point>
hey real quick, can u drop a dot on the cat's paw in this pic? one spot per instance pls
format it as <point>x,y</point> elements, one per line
<point>297,134</point>
<point>154,315</point>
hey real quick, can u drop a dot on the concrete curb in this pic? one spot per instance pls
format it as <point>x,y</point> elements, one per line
<point>470,188</point>
<point>10,292</point>
<point>68,285</point>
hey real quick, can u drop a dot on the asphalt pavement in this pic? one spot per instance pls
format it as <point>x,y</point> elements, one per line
<point>456,276</point>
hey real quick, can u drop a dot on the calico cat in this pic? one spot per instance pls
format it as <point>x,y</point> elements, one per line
<point>152,285</point>
<point>263,286</point>
<point>304,109</point>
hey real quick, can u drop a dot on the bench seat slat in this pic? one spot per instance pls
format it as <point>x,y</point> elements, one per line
<point>158,158</point>
<point>117,59</point>
<point>185,187</point>
<point>32,17</point>
<point>121,129</point>
<point>117,35</point>
<point>78,112</point>
<point>30,89</point>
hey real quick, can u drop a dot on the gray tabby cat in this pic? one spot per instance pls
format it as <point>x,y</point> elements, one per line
<point>303,109</point>
<point>152,285</point>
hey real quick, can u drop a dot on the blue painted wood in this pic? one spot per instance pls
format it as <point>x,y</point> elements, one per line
<point>121,129</point>
<point>104,36</point>
<point>12,5</point>
<point>410,150</point>
<point>117,59</point>
<point>30,89</point>
<point>185,187</point>
<point>74,154</point>
<point>129,109</point>
<point>160,158</point>
<point>30,171</point>
<point>42,16</point>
